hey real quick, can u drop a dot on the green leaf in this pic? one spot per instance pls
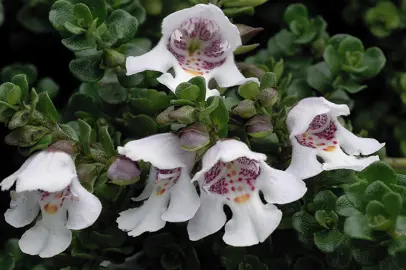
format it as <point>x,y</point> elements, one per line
<point>10,93</point>
<point>112,93</point>
<point>328,241</point>
<point>155,245</point>
<point>304,223</point>
<point>219,118</point>
<point>46,106</point>
<point>374,59</point>
<point>246,48</point>
<point>350,44</point>
<point>98,8</point>
<point>13,250</point>
<point>355,194</point>
<point>49,86</point>
<point>243,3</point>
<point>294,12</point>
<point>268,80</point>
<point>379,171</point>
<point>319,77</point>
<point>350,86</point>
<point>61,12</point>
<point>84,136</point>
<point>87,69</point>
<point>83,15</point>
<point>19,119</point>
<point>106,141</point>
<point>25,136</point>
<point>249,90</point>
<point>187,91</point>
<point>74,29</point>
<point>7,262</point>
<point>140,125</point>
<point>282,44</point>
<point>136,47</point>
<point>340,258</point>
<point>252,262</point>
<point>79,43</point>
<point>8,72</point>
<point>377,216</point>
<point>201,83</point>
<point>149,101</point>
<point>393,203</point>
<point>376,191</point>
<point>325,200</point>
<point>121,26</point>
<point>357,227</point>
<point>345,208</point>
<point>43,143</point>
<point>69,131</point>
<point>21,81</point>
<point>234,12</point>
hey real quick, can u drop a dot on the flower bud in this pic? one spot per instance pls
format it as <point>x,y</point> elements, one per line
<point>123,169</point>
<point>247,32</point>
<point>64,146</point>
<point>259,126</point>
<point>194,137</point>
<point>184,115</point>
<point>163,117</point>
<point>245,109</point>
<point>268,97</point>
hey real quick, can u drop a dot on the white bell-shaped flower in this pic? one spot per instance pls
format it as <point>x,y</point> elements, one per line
<point>196,41</point>
<point>232,174</point>
<point>47,184</point>
<point>169,192</point>
<point>316,132</point>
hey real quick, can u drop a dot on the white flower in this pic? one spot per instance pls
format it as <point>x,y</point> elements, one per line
<point>171,195</point>
<point>47,183</point>
<point>196,41</point>
<point>316,132</point>
<point>233,175</point>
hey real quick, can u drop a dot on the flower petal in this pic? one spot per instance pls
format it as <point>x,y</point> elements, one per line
<point>208,219</point>
<point>301,115</point>
<point>83,207</point>
<point>228,75</point>
<point>339,160</point>
<point>354,145</point>
<point>162,150</point>
<point>49,170</point>
<point>304,162</point>
<point>251,223</point>
<point>226,151</point>
<point>184,200</point>
<point>24,208</point>
<point>210,12</point>
<point>149,186</point>
<point>172,82</point>
<point>158,59</point>
<point>278,186</point>
<point>146,218</point>
<point>8,182</point>
<point>42,241</point>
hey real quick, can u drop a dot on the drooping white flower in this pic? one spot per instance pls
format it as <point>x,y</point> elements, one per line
<point>232,174</point>
<point>47,184</point>
<point>171,195</point>
<point>316,132</point>
<point>196,41</point>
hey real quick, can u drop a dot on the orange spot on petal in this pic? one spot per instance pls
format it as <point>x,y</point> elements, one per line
<point>59,195</point>
<point>320,144</point>
<point>51,208</point>
<point>242,199</point>
<point>193,72</point>
<point>330,148</point>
